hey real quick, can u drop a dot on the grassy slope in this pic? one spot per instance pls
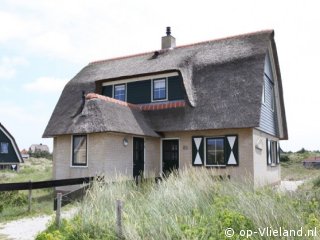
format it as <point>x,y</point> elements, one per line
<point>187,206</point>
<point>294,169</point>
<point>34,169</point>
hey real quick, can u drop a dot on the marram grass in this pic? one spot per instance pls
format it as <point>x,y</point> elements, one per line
<point>189,204</point>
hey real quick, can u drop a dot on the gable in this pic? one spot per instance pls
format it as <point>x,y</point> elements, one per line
<point>13,155</point>
<point>272,117</point>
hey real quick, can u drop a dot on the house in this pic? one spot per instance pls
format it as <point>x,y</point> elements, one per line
<point>10,157</point>
<point>24,154</point>
<point>311,162</point>
<point>216,104</point>
<point>38,148</point>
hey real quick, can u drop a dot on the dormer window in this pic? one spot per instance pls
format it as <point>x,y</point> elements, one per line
<point>159,89</point>
<point>146,89</point>
<point>120,92</point>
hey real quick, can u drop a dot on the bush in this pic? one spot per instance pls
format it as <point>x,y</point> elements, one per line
<point>12,198</point>
<point>41,154</point>
<point>284,158</point>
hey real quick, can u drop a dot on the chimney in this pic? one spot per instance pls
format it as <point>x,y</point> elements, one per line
<point>168,42</point>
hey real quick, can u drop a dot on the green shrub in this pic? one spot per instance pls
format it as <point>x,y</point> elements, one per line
<point>284,158</point>
<point>12,198</point>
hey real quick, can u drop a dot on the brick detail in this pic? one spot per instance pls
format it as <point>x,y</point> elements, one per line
<point>141,107</point>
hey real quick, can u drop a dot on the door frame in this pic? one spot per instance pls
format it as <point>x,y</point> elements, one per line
<point>161,159</point>
<point>144,153</point>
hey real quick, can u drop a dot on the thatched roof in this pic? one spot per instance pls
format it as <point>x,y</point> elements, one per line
<point>223,81</point>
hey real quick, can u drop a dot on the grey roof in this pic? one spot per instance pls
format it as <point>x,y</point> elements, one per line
<point>102,116</point>
<point>223,81</point>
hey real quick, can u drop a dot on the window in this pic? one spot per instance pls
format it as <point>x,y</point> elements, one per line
<point>120,92</point>
<point>79,150</point>
<point>215,152</point>
<point>159,89</point>
<point>4,147</point>
<point>268,92</point>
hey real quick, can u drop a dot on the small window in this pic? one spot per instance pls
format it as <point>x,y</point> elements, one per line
<point>120,92</point>
<point>159,89</point>
<point>79,150</point>
<point>215,152</point>
<point>4,147</point>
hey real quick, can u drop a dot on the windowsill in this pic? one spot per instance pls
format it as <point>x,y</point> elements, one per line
<point>159,100</point>
<point>273,165</point>
<point>79,166</point>
<point>215,166</point>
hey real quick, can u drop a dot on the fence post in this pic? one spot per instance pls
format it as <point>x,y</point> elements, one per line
<point>30,196</point>
<point>119,206</point>
<point>58,211</point>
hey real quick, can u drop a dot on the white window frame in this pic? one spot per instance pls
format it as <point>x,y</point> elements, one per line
<point>152,89</point>
<point>205,151</point>
<point>72,152</point>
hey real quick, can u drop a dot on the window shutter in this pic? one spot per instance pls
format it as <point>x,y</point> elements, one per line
<point>278,153</point>
<point>268,152</point>
<point>197,151</point>
<point>232,151</point>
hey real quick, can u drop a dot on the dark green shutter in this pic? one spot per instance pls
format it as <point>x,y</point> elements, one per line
<point>139,92</point>
<point>175,88</point>
<point>107,91</point>
<point>197,151</point>
<point>278,153</point>
<point>232,150</point>
<point>269,161</point>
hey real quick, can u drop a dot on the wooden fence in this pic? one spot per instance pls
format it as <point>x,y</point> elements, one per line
<point>44,184</point>
<point>66,198</point>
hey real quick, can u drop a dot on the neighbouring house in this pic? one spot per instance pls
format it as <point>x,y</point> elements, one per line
<point>311,162</point>
<point>10,157</point>
<point>24,154</point>
<point>215,104</point>
<point>38,148</point>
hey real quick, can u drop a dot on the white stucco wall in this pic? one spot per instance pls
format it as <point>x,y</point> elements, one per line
<point>264,174</point>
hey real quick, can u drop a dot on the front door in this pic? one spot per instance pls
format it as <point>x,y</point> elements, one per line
<point>170,155</point>
<point>138,157</point>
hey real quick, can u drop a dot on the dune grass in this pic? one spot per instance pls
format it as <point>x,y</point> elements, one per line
<point>190,204</point>
<point>13,205</point>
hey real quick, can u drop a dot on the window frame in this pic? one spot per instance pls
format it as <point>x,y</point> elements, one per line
<point>125,91</point>
<point>7,147</point>
<point>224,152</point>
<point>166,90</point>
<point>73,164</point>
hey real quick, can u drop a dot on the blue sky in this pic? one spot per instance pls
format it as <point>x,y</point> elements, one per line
<point>43,44</point>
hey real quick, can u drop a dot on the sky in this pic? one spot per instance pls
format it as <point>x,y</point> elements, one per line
<point>44,43</point>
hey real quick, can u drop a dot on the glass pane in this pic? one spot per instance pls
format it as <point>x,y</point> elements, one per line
<point>79,150</point>
<point>120,92</point>
<point>215,151</point>
<point>220,151</point>
<point>159,89</point>
<point>4,147</point>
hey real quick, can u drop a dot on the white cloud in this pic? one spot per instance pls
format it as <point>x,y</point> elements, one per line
<point>46,85</point>
<point>8,66</point>
<point>26,124</point>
